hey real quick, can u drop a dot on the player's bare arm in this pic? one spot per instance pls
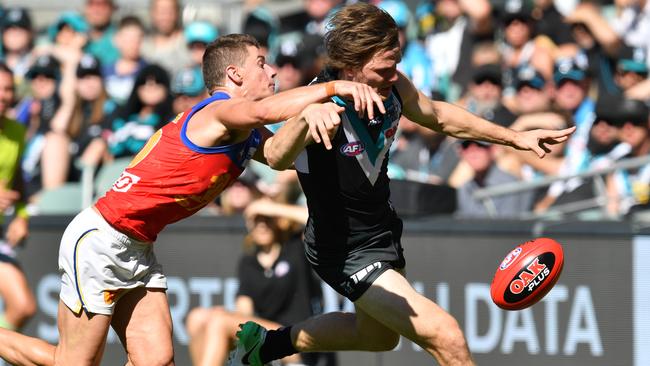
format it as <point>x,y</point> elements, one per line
<point>241,113</point>
<point>452,120</point>
<point>218,122</point>
<point>316,123</point>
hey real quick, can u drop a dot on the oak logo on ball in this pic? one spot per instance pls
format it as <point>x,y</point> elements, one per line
<point>530,277</point>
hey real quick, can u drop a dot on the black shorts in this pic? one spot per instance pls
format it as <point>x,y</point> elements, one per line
<point>357,268</point>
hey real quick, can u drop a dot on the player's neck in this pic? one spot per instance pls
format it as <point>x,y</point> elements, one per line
<point>227,90</point>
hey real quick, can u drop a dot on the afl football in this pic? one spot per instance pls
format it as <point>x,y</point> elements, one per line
<point>527,273</point>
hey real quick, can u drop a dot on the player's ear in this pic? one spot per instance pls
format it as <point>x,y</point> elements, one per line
<point>348,73</point>
<point>234,74</point>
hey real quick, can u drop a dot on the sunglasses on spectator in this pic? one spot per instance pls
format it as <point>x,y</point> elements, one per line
<point>625,72</point>
<point>620,122</point>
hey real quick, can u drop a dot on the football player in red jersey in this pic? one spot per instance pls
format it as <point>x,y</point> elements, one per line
<point>110,276</point>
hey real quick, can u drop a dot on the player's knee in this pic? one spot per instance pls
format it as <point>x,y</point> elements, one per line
<point>24,307</point>
<point>29,310</point>
<point>195,321</point>
<point>218,319</point>
<point>449,335</point>
<point>158,358</point>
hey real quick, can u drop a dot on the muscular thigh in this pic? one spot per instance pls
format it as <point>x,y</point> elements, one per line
<point>370,328</point>
<point>394,303</point>
<point>143,323</point>
<point>81,337</point>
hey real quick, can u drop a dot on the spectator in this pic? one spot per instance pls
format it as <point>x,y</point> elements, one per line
<point>165,44</point>
<point>14,289</point>
<point>462,23</point>
<point>56,155</point>
<point>572,94</point>
<point>91,107</point>
<point>604,134</point>
<point>188,86</point>
<point>589,16</point>
<point>533,92</point>
<point>301,33</point>
<point>149,107</point>
<point>37,112</point>
<point>276,286</point>
<point>571,106</point>
<point>197,35</point>
<point>289,73</point>
<point>631,23</point>
<point>422,155</point>
<point>17,44</point>
<point>120,76</point>
<point>485,93</point>
<point>188,89</point>
<point>520,47</point>
<point>603,148</point>
<point>598,41</point>
<point>311,19</point>
<point>631,187</point>
<point>68,34</point>
<point>631,68</point>
<point>240,194</point>
<point>533,105</point>
<point>550,22</point>
<point>99,15</point>
<point>479,156</point>
<point>263,26</point>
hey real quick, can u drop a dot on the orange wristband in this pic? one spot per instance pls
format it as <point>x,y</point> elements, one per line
<point>329,89</point>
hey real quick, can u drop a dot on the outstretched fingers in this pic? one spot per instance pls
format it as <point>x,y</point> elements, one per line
<point>365,98</point>
<point>561,135</point>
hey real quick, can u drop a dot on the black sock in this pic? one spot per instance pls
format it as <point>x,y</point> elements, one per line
<point>277,345</point>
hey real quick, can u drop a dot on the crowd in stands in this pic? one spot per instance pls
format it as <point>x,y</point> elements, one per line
<point>93,86</point>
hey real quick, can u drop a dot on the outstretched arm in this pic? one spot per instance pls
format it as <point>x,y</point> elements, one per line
<point>455,121</point>
<point>241,113</point>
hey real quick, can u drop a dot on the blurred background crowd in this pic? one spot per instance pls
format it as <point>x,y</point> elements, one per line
<point>95,82</point>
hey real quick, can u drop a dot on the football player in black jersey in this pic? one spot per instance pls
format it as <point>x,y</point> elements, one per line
<point>353,234</point>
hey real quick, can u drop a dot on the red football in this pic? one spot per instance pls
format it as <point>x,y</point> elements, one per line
<point>527,273</point>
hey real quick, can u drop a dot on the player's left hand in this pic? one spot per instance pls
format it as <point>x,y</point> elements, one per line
<point>538,140</point>
<point>17,230</point>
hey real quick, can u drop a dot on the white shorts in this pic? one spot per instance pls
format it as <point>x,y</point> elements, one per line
<point>98,265</point>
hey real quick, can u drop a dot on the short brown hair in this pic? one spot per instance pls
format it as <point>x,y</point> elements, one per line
<point>222,52</point>
<point>358,32</point>
<point>131,21</point>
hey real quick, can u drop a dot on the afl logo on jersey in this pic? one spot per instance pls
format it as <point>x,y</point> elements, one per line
<point>353,148</point>
<point>125,181</point>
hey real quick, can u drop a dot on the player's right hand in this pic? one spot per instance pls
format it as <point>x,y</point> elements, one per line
<point>323,121</point>
<point>363,95</point>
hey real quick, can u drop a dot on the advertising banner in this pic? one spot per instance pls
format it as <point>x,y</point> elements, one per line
<point>597,314</point>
